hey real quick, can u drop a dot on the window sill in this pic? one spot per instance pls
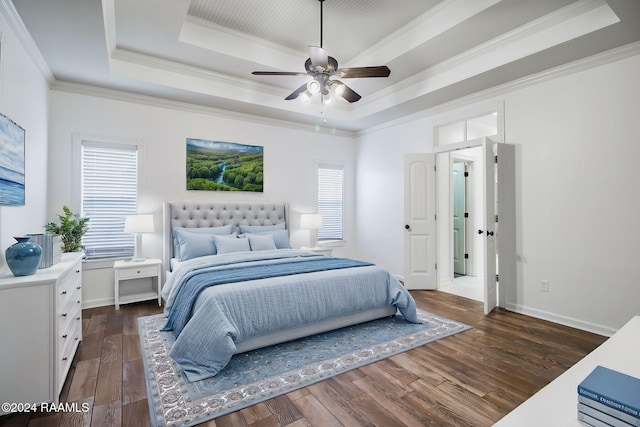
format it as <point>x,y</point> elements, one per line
<point>97,264</point>
<point>332,244</point>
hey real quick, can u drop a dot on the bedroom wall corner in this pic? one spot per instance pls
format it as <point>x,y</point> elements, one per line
<point>24,95</point>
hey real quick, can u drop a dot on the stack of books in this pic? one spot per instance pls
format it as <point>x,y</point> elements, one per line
<point>609,398</point>
<point>51,248</point>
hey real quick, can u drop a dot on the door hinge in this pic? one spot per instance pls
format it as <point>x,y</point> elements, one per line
<point>466,256</point>
<point>436,266</point>
<point>466,214</point>
<point>466,174</point>
<point>497,278</point>
<point>435,217</point>
<point>496,159</point>
<point>496,218</point>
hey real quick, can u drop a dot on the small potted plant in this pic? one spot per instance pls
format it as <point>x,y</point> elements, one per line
<point>71,229</point>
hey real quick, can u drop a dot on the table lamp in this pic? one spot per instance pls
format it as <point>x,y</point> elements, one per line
<point>138,224</point>
<point>311,221</point>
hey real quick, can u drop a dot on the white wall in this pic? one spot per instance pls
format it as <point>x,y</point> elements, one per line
<point>290,155</point>
<point>577,146</point>
<point>23,98</point>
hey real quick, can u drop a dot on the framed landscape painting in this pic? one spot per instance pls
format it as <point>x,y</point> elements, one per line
<point>224,166</point>
<point>11,162</point>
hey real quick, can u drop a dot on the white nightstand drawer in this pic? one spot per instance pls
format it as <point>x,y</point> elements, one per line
<point>133,272</point>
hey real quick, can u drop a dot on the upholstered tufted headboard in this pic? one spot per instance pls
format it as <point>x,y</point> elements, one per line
<point>200,214</point>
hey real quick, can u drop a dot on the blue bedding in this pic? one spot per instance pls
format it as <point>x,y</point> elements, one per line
<point>214,302</point>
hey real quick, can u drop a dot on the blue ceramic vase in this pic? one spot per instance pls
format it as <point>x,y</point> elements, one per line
<point>23,258</point>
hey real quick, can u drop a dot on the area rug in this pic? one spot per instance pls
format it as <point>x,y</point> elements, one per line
<point>262,374</point>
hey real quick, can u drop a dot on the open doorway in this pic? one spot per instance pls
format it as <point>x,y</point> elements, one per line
<point>461,180</point>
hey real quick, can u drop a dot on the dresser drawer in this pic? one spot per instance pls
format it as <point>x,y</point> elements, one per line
<point>66,351</point>
<point>69,314</point>
<point>70,331</point>
<point>132,273</point>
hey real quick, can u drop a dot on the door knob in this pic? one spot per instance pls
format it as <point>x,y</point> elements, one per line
<point>489,233</point>
<point>407,227</point>
<point>479,231</point>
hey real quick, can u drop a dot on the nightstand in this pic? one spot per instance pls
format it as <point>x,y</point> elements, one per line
<point>318,249</point>
<point>129,270</point>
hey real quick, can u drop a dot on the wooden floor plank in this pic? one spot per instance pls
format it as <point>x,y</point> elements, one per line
<point>471,378</point>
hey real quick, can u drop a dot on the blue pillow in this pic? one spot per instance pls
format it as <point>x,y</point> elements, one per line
<point>193,245</point>
<point>229,244</point>
<point>261,242</point>
<point>225,229</point>
<point>261,228</point>
<point>280,238</point>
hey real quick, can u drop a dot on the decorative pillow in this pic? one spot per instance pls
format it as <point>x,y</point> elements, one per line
<point>261,242</point>
<point>193,245</point>
<point>229,244</point>
<point>261,228</point>
<point>225,229</point>
<point>280,238</point>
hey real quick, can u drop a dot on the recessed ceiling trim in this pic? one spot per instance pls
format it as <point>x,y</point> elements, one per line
<point>177,75</point>
<point>578,19</point>
<point>420,30</point>
<point>207,35</point>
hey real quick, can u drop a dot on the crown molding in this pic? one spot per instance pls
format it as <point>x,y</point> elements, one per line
<point>604,58</point>
<point>10,14</point>
<point>118,95</point>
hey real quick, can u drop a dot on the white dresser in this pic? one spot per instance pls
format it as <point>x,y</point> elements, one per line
<point>40,329</point>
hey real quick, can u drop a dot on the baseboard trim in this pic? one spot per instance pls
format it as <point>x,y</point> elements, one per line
<point>98,303</point>
<point>562,320</point>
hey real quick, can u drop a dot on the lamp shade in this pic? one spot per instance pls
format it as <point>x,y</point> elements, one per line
<point>139,224</point>
<point>311,221</point>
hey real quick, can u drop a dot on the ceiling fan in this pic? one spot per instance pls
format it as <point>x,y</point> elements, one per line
<point>322,67</point>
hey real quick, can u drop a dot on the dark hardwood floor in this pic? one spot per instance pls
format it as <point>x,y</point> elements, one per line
<point>473,378</point>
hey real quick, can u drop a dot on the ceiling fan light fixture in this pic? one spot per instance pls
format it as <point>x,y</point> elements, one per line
<point>327,99</point>
<point>337,87</point>
<point>305,97</point>
<point>314,87</point>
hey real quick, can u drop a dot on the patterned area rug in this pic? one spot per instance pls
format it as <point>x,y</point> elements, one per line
<point>262,374</point>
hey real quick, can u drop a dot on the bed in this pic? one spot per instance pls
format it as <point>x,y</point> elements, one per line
<point>235,284</point>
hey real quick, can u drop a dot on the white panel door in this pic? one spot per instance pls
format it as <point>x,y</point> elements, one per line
<point>420,221</point>
<point>490,268</point>
<point>506,225</point>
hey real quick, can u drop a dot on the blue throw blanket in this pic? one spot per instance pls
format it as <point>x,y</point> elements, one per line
<point>185,299</point>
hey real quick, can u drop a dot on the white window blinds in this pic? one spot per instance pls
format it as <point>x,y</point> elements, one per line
<point>109,193</point>
<point>331,201</point>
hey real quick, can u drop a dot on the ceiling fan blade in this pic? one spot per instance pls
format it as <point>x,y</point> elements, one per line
<point>319,57</point>
<point>350,94</point>
<point>278,73</point>
<point>359,72</point>
<point>296,93</point>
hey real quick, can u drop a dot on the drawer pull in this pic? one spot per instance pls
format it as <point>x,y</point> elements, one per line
<point>78,270</point>
<point>78,287</point>
<point>78,318</point>
<point>64,336</point>
<point>64,358</point>
<point>77,338</point>
<point>78,301</point>
<point>63,292</point>
<point>64,314</point>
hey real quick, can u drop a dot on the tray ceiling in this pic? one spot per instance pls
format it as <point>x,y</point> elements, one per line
<point>203,51</point>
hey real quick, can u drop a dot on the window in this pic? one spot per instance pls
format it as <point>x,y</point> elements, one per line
<point>331,201</point>
<point>466,130</point>
<point>109,193</point>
